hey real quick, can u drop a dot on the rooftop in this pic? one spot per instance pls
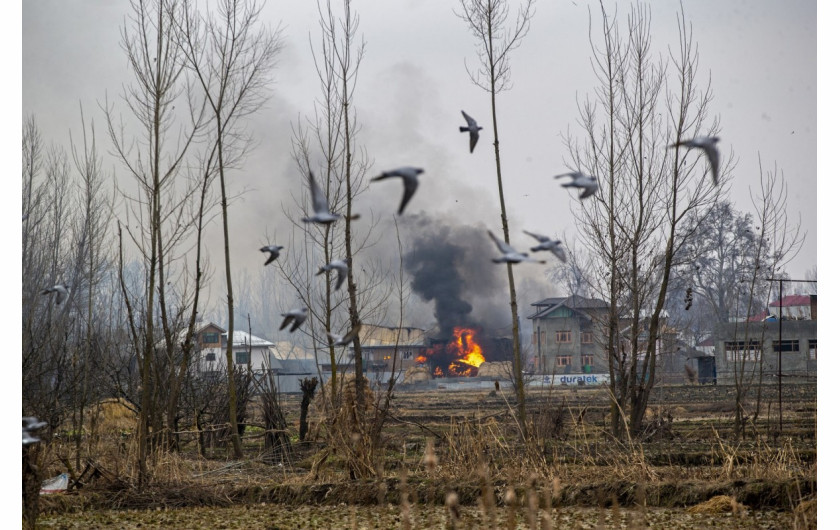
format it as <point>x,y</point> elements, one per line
<point>242,338</point>
<point>574,302</point>
<point>793,300</point>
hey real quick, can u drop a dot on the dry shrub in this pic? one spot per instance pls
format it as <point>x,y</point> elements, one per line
<point>805,514</point>
<point>762,461</point>
<point>551,419</point>
<point>346,426</point>
<point>112,416</point>
<point>658,424</point>
<point>344,410</point>
<point>479,440</point>
<point>777,462</point>
<point>718,504</point>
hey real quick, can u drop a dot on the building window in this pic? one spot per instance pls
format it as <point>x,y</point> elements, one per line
<point>542,337</point>
<point>534,338</point>
<point>563,336</point>
<point>407,354</point>
<point>788,346</point>
<point>812,349</point>
<point>241,357</point>
<point>741,351</point>
<point>210,357</point>
<point>564,360</point>
<point>587,359</point>
<point>586,337</point>
<point>210,338</point>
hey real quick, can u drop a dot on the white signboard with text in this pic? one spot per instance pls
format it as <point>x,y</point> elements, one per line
<point>570,379</point>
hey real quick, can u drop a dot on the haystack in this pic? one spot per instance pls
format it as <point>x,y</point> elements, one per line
<point>500,369</point>
<point>718,504</point>
<point>113,416</point>
<point>417,374</point>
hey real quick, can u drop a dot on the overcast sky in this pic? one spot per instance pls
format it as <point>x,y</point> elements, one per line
<point>760,55</point>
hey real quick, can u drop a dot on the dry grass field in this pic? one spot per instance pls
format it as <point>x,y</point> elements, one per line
<point>456,459</point>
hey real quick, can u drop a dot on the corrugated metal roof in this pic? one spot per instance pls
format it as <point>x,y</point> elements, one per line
<point>242,338</point>
<point>296,366</point>
<point>793,300</point>
<point>759,317</point>
<point>284,350</point>
<point>549,301</point>
<point>572,302</point>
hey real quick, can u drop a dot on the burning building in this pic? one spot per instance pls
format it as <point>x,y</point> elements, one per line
<point>461,354</point>
<point>451,267</point>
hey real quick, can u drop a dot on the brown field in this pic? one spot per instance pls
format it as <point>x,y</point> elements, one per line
<point>571,473</point>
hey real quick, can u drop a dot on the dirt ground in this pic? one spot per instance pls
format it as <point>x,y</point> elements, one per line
<point>686,456</point>
<point>389,517</point>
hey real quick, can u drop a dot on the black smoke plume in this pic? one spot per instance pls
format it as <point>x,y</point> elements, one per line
<point>451,266</point>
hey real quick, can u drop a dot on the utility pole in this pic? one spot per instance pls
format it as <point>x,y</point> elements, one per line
<point>779,350</point>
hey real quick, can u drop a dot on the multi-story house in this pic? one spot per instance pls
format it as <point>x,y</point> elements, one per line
<point>569,335</point>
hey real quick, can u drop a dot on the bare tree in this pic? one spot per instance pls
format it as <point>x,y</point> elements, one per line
<point>352,170</point>
<point>158,217</point>
<point>231,57</point>
<point>56,237</point>
<point>715,264</point>
<point>488,22</point>
<point>328,141</point>
<point>776,242</point>
<point>639,219</point>
<point>93,259</point>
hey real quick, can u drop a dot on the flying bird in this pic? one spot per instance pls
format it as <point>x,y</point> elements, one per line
<point>61,291</point>
<point>297,316</point>
<point>339,265</point>
<point>707,144</point>
<point>338,340</point>
<point>30,424</point>
<point>587,184</point>
<point>509,254</point>
<point>322,214</point>
<point>410,183</point>
<point>274,250</point>
<point>28,439</point>
<point>546,243</point>
<point>473,128</point>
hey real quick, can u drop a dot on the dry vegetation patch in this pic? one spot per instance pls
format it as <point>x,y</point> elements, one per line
<point>468,444</point>
<point>718,504</point>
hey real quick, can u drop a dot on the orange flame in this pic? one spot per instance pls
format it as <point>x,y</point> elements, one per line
<point>468,351</point>
<point>463,353</point>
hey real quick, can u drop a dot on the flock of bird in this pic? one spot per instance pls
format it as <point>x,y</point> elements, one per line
<point>321,214</point>
<point>587,184</point>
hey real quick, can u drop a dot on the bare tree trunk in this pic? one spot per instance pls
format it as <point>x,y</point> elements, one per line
<point>487,20</point>
<point>514,312</point>
<point>307,387</point>
<point>231,58</point>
